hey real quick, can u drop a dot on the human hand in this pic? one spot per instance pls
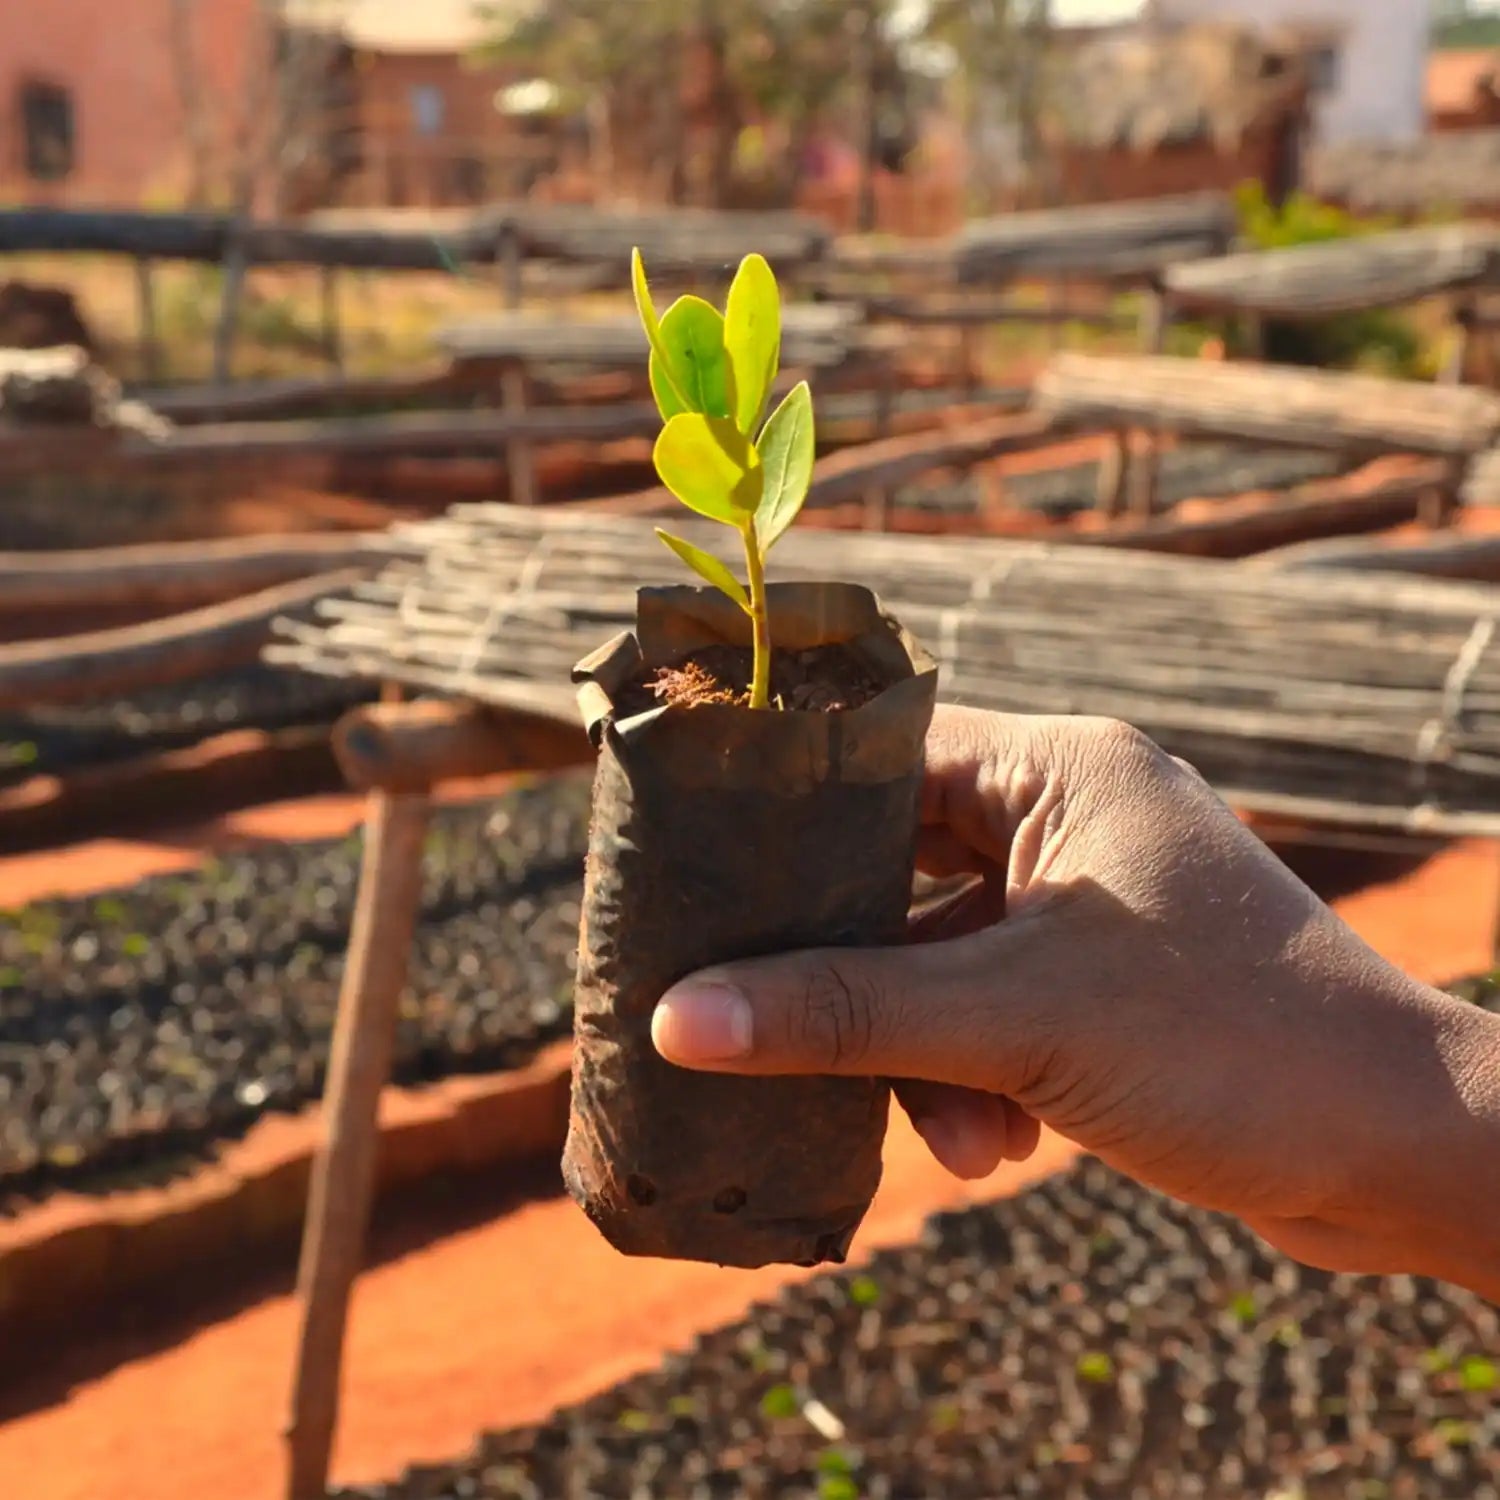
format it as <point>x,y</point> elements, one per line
<point>1161,990</point>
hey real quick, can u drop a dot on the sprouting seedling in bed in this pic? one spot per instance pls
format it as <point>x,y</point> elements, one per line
<point>712,375</point>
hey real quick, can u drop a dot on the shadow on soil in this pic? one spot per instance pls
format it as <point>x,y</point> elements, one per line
<point>404,1222</point>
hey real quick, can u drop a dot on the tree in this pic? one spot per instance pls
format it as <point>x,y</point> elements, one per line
<point>653,67</point>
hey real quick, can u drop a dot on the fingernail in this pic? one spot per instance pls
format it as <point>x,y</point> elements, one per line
<point>700,1023</point>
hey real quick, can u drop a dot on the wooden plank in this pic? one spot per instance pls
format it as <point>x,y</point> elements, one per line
<point>1474,558</point>
<point>1317,281</point>
<point>1098,241</point>
<point>409,747</point>
<point>111,663</point>
<point>1312,409</point>
<point>168,576</point>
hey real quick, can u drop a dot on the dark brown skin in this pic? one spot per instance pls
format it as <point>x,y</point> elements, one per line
<point>1162,990</point>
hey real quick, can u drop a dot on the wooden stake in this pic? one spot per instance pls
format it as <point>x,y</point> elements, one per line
<point>520,468</point>
<point>510,266</point>
<point>1144,480</point>
<point>236,263</point>
<point>1114,475</point>
<point>150,334</point>
<point>338,1212</point>
<point>333,333</point>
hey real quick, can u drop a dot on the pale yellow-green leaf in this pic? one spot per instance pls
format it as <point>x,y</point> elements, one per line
<point>706,565</point>
<point>711,466</point>
<point>787,450</point>
<point>752,337</point>
<point>646,309</point>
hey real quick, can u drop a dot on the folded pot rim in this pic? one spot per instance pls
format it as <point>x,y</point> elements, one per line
<point>604,672</point>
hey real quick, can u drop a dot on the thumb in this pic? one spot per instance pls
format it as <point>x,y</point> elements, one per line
<point>938,1011</point>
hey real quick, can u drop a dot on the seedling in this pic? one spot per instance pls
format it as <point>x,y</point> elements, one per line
<point>712,375</point>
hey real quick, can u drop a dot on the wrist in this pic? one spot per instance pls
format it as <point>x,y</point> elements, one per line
<point>1432,1206</point>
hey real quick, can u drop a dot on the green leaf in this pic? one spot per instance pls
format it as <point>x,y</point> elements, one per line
<point>780,1402</point>
<point>646,309</point>
<point>706,565</point>
<point>711,466</point>
<point>752,335</point>
<point>669,401</point>
<point>786,453</point>
<point>693,362</point>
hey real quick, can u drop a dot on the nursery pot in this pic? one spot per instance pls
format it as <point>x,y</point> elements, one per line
<point>721,832</point>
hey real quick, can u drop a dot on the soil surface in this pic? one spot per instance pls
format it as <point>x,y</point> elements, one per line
<point>455,1330</point>
<point>824,679</point>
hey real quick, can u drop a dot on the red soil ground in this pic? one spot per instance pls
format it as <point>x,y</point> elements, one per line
<point>495,1321</point>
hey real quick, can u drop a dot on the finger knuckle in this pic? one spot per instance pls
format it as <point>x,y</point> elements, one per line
<point>838,1018</point>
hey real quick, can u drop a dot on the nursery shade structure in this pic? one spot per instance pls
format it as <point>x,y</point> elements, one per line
<point>1361,700</point>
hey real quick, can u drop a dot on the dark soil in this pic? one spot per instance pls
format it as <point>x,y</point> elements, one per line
<point>824,679</point>
<point>173,1014</point>
<point>1087,1340</point>
<point>57,740</point>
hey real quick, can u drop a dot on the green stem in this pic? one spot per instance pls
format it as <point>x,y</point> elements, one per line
<point>760,682</point>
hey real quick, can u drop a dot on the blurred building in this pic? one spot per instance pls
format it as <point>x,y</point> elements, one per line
<point>311,101</point>
<point>401,107</point>
<point>1147,112</point>
<point>1372,85</point>
<point>1463,90</point>
<point>115,102</point>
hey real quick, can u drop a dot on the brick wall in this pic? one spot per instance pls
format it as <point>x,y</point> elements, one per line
<point>115,61</point>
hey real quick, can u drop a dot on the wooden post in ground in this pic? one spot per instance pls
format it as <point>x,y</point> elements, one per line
<point>510,265</point>
<point>1145,470</point>
<point>520,462</point>
<point>150,332</point>
<point>385,915</point>
<point>333,332</point>
<point>877,500</point>
<point>1114,475</point>
<point>1440,505</point>
<point>236,264</point>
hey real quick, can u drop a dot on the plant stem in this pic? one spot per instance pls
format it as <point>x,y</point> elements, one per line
<point>760,682</point>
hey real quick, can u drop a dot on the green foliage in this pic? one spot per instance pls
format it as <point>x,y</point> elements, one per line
<point>711,466</point>
<point>712,375</point>
<point>706,565</point>
<point>780,1402</point>
<point>1380,340</point>
<point>1244,1309</point>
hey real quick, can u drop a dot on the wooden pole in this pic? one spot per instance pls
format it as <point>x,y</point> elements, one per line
<point>877,499</point>
<point>236,263</point>
<point>510,266</point>
<point>333,333</point>
<point>150,333</point>
<point>1114,475</point>
<point>338,1211</point>
<point>1145,470</point>
<point>520,467</point>
<point>1441,504</point>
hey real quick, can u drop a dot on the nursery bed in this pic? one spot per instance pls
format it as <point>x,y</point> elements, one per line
<point>1086,1339</point>
<point>176,1012</point>
<point>58,740</point>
